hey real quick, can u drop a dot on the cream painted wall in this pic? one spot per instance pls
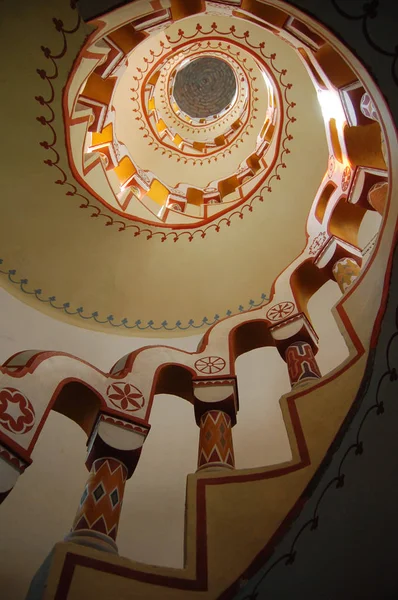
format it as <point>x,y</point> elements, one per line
<point>22,327</point>
<point>332,347</point>
<point>40,510</point>
<point>369,227</point>
<point>260,436</point>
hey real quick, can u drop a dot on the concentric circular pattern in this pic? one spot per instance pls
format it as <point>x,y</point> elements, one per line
<point>153,182</point>
<point>210,364</point>
<point>243,68</point>
<point>205,87</point>
<point>345,181</point>
<point>280,311</point>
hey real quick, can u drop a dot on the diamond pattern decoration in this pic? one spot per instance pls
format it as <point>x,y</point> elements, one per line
<point>84,496</point>
<point>98,492</point>
<point>215,443</point>
<point>102,498</point>
<point>114,496</point>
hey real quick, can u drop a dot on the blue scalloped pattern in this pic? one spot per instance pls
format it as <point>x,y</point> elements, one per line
<point>110,319</point>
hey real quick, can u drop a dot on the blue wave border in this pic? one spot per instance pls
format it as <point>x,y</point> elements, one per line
<point>11,274</point>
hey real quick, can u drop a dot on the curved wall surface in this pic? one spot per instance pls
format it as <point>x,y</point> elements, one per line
<point>280,377</point>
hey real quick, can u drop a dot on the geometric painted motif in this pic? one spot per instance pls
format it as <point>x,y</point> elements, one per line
<point>345,272</point>
<point>280,311</point>
<point>346,178</point>
<point>318,242</point>
<point>125,424</point>
<point>377,196</point>
<point>125,397</point>
<point>215,441</point>
<point>331,166</point>
<point>16,412</point>
<point>210,364</point>
<point>368,108</point>
<point>101,502</point>
<point>301,363</point>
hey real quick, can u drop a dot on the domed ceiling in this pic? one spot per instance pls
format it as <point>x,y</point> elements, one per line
<point>204,87</point>
<point>161,172</point>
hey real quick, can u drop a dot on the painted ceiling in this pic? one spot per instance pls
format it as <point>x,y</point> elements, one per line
<point>176,221</point>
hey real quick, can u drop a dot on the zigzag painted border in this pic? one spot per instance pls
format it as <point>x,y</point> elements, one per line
<point>110,319</point>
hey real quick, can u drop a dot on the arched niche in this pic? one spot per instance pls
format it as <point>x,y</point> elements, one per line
<point>323,200</point>
<point>249,336</point>
<point>345,221</point>
<point>334,137</point>
<point>175,380</point>
<point>305,281</point>
<point>317,77</point>
<point>181,9</point>
<point>334,66</point>
<point>80,403</point>
<point>270,14</point>
<point>363,143</point>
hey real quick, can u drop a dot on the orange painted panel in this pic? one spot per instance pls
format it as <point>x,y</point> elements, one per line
<point>126,38</point>
<point>125,169</point>
<point>158,192</point>
<point>334,66</point>
<point>270,14</point>
<point>103,137</point>
<point>99,89</point>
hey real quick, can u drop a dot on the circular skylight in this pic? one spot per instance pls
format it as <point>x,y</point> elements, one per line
<point>204,87</point>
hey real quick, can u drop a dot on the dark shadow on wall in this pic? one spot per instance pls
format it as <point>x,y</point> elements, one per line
<point>91,9</point>
<point>343,544</point>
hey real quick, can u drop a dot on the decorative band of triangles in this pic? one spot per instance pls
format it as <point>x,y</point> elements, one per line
<point>215,441</point>
<point>301,363</point>
<point>101,502</point>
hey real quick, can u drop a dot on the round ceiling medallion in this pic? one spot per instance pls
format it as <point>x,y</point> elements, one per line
<point>204,87</point>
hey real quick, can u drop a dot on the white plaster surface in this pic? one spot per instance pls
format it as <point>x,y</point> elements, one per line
<point>40,510</point>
